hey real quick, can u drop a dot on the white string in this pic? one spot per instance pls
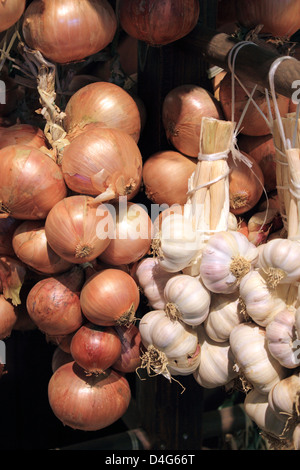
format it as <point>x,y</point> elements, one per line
<point>213,157</point>
<point>209,183</point>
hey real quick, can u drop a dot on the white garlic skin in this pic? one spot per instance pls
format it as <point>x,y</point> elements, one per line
<point>282,339</point>
<point>189,296</point>
<point>249,347</point>
<point>220,251</point>
<point>283,254</point>
<point>178,341</point>
<point>296,437</point>
<point>284,398</point>
<point>179,242</point>
<point>258,409</point>
<point>152,280</point>
<point>260,300</point>
<point>216,364</point>
<point>224,315</point>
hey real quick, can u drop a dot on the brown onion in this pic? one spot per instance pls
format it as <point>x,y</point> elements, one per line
<point>280,18</point>
<point>158,23</point>
<point>262,150</point>
<point>165,177</point>
<point>78,230</point>
<point>31,246</point>
<point>31,183</point>
<point>53,303</point>
<point>106,103</point>
<point>69,30</point>
<point>131,341</point>
<point>182,112</point>
<point>8,317</point>
<point>87,402</point>
<point>132,236</point>
<point>101,161</point>
<point>10,12</point>
<point>110,297</point>
<point>253,122</point>
<point>25,134</point>
<point>246,185</point>
<point>7,228</point>
<point>63,342</point>
<point>95,348</point>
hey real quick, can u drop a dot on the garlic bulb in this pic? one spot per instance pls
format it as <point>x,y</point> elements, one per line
<point>172,347</point>
<point>227,257</point>
<point>216,364</point>
<point>187,299</point>
<point>279,261</point>
<point>261,302</point>
<point>283,342</point>
<point>224,314</point>
<point>253,359</point>
<point>297,321</point>
<point>178,243</point>
<point>152,278</point>
<point>284,399</point>
<point>256,406</point>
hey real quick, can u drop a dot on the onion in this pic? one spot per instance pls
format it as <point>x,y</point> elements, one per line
<point>131,341</point>
<point>246,185</point>
<point>31,183</point>
<point>53,303</point>
<point>10,12</point>
<point>87,402</point>
<point>8,317</point>
<point>253,123</point>
<point>262,150</point>
<point>106,103</point>
<point>95,348</point>
<point>110,297</point>
<point>7,228</point>
<point>78,230</point>
<point>101,161</point>
<point>31,246</point>
<point>182,112</point>
<point>132,237</point>
<point>63,342</point>
<point>60,358</point>
<point>158,23</point>
<point>280,18</point>
<point>165,177</point>
<point>25,134</point>
<point>67,30</point>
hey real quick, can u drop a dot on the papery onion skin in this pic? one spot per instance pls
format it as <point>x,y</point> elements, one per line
<point>281,18</point>
<point>106,103</point>
<point>132,238</point>
<point>10,12</point>
<point>30,246</point>
<point>182,112</point>
<point>31,183</point>
<point>111,153</point>
<point>85,229</point>
<point>95,348</point>
<point>67,30</point>
<point>110,297</point>
<point>87,402</point>
<point>131,342</point>
<point>54,305</point>
<point>25,134</point>
<point>165,177</point>
<point>158,23</point>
